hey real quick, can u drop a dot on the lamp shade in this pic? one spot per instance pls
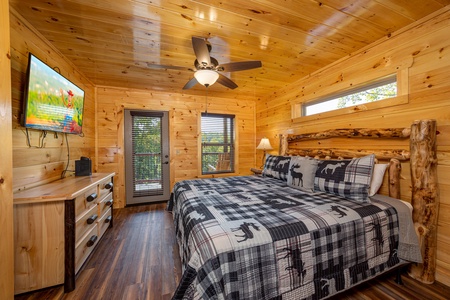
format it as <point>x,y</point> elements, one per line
<point>206,77</point>
<point>264,144</point>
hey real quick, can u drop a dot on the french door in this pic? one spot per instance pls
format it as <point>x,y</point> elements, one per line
<point>147,177</point>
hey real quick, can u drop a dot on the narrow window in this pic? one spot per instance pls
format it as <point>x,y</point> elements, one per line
<point>375,91</point>
<point>217,131</point>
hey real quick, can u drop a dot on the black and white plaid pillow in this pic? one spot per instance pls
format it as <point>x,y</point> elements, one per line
<point>276,166</point>
<point>349,178</point>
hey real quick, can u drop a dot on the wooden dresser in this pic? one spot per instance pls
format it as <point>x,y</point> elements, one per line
<point>56,228</point>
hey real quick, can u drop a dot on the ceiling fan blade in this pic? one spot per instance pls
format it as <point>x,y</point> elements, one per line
<point>239,66</point>
<point>201,51</point>
<point>190,84</point>
<point>157,67</point>
<point>225,81</point>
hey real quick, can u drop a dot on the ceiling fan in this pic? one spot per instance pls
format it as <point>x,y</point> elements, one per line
<point>207,68</point>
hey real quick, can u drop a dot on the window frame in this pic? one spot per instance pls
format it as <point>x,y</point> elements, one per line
<point>231,144</point>
<point>401,99</point>
<point>364,87</point>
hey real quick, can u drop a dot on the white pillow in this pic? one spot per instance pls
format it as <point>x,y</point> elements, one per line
<point>377,178</point>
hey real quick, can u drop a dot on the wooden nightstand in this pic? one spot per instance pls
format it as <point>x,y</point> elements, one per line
<point>256,171</point>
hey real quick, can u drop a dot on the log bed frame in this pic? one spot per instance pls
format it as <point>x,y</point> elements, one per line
<point>424,184</point>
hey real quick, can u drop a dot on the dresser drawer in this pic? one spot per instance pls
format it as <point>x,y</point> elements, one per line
<point>104,221</point>
<point>105,187</point>
<point>85,222</point>
<point>85,201</point>
<point>85,247</point>
<point>105,204</point>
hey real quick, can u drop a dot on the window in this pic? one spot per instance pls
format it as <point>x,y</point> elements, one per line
<point>217,132</point>
<point>379,90</point>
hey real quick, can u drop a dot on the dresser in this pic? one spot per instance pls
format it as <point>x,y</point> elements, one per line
<point>56,227</point>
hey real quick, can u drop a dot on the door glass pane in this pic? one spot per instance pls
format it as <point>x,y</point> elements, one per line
<point>147,149</point>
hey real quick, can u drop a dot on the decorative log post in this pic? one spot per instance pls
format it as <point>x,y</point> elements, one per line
<point>425,199</point>
<point>395,169</point>
<point>283,144</point>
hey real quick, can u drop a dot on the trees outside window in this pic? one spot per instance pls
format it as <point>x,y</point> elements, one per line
<point>380,90</point>
<point>217,149</point>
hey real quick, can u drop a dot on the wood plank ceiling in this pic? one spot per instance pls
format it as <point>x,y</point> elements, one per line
<point>129,43</point>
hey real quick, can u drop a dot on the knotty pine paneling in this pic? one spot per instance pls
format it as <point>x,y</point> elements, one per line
<point>293,38</point>
<point>184,113</point>
<point>6,174</point>
<point>426,48</point>
<point>35,166</point>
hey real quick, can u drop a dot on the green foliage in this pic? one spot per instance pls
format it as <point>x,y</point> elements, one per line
<point>375,94</point>
<point>212,146</point>
<point>55,112</point>
<point>147,148</point>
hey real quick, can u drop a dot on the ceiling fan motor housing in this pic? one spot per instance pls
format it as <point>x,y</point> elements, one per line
<point>213,66</point>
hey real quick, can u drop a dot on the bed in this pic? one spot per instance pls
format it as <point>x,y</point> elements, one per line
<point>286,236</point>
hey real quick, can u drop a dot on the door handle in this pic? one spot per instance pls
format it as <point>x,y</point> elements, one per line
<point>166,162</point>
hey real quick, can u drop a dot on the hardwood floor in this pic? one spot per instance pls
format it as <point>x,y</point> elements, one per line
<point>138,259</point>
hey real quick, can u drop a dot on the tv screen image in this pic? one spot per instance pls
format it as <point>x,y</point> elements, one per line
<point>52,102</point>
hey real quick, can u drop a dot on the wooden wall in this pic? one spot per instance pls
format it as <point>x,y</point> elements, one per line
<point>6,178</point>
<point>34,166</point>
<point>422,53</point>
<point>184,116</point>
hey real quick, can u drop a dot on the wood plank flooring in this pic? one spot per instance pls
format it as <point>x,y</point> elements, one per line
<point>138,259</point>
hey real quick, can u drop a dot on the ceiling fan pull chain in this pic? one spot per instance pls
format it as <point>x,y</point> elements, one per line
<point>206,104</point>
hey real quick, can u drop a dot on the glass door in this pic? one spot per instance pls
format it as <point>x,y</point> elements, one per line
<point>146,156</point>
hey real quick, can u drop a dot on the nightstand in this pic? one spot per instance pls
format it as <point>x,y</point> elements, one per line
<point>256,171</point>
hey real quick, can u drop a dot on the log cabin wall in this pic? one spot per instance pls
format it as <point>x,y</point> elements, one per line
<point>6,194</point>
<point>421,54</point>
<point>184,119</point>
<point>35,166</point>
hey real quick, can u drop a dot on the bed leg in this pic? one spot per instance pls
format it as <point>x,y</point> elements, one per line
<point>398,277</point>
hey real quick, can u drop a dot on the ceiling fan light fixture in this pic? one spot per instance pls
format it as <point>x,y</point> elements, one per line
<point>206,77</point>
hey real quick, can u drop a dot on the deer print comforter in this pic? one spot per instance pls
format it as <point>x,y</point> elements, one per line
<point>252,237</point>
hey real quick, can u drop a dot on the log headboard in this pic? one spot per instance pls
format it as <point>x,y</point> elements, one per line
<point>291,145</point>
<point>422,159</point>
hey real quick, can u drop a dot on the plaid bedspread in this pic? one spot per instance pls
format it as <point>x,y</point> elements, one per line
<point>252,237</point>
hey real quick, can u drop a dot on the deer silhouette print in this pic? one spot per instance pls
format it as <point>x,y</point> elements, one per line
<point>339,210</point>
<point>393,253</point>
<point>245,227</point>
<point>332,167</point>
<point>281,163</point>
<point>376,227</point>
<point>195,215</point>
<point>297,263</point>
<point>328,286</point>
<point>296,174</point>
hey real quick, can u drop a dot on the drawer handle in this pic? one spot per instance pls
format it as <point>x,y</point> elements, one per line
<point>108,219</point>
<point>92,219</point>
<point>91,241</point>
<point>91,197</point>
<point>109,185</point>
<point>109,202</point>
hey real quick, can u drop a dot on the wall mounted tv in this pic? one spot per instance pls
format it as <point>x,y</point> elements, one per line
<point>51,101</point>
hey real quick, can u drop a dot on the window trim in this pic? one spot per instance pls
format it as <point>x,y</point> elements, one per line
<point>356,90</point>
<point>402,98</point>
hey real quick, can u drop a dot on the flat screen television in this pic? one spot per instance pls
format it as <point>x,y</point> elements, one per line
<point>51,101</point>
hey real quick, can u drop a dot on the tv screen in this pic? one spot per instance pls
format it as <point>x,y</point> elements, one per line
<point>51,102</point>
